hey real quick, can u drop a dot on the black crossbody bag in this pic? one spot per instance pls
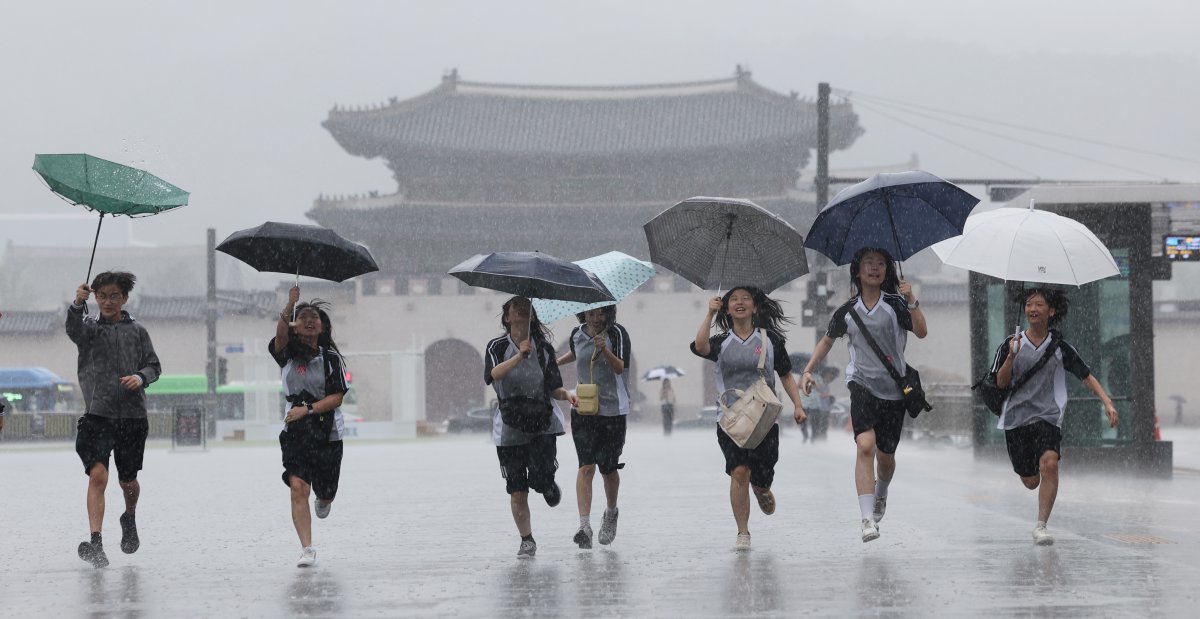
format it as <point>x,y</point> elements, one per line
<point>909,384</point>
<point>993,396</point>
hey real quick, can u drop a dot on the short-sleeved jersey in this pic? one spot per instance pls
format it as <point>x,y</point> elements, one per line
<point>889,322</point>
<point>737,359</point>
<point>1044,395</point>
<point>321,375</point>
<point>536,376</point>
<point>613,387</point>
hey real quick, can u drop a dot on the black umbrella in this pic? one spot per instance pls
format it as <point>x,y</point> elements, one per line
<point>534,275</point>
<point>312,251</point>
<point>712,242</point>
<point>901,213</point>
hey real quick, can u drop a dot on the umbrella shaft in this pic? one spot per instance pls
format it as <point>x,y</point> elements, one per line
<point>95,241</point>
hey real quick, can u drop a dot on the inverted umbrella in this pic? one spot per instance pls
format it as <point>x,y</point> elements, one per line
<point>900,213</point>
<point>534,275</point>
<point>107,188</point>
<point>313,251</point>
<point>663,371</point>
<point>716,241</point>
<point>1029,245</point>
<point>620,273</point>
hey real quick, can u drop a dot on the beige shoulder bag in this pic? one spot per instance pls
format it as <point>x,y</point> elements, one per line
<point>751,417</point>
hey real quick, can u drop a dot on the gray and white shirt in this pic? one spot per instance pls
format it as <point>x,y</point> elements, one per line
<point>536,376</point>
<point>319,375</point>
<point>1044,395</point>
<point>737,360</point>
<point>613,387</point>
<point>889,323</point>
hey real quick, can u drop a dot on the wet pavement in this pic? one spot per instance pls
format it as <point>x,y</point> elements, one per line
<point>423,529</point>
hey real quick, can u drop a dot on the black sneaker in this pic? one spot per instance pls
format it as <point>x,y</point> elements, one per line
<point>583,537</point>
<point>93,552</point>
<point>129,537</point>
<point>552,494</point>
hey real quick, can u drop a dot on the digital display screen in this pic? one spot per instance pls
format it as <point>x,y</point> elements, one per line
<point>1181,247</point>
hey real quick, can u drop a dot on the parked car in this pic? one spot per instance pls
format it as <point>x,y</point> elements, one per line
<point>475,420</point>
<point>705,420</point>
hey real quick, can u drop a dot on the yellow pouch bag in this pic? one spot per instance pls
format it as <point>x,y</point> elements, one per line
<point>589,393</point>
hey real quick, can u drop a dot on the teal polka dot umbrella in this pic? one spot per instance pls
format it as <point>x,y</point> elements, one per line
<point>620,272</point>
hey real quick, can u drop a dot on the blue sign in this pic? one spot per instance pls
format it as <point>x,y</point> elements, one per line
<point>235,349</point>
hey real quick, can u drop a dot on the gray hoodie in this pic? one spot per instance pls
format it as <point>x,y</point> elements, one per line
<point>108,351</point>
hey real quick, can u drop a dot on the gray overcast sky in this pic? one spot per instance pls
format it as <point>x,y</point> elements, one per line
<point>226,98</point>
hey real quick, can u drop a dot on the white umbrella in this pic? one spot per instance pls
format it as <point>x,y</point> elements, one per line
<point>663,371</point>
<point>1029,245</point>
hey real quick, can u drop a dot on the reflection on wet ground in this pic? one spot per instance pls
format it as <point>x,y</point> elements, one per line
<point>424,529</point>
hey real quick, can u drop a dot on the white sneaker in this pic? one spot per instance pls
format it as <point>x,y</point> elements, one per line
<point>308,558</point>
<point>1041,536</point>
<point>880,508</point>
<point>743,542</point>
<point>870,530</point>
<point>322,508</point>
<point>528,548</point>
<point>608,528</point>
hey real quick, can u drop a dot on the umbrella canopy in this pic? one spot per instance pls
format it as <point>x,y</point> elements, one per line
<point>534,275</point>
<point>901,213</point>
<point>107,187</point>
<point>663,371</point>
<point>620,272</point>
<point>716,242</point>
<point>312,251</point>
<point>1029,245</point>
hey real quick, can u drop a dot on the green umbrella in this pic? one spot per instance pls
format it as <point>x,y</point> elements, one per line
<point>107,188</point>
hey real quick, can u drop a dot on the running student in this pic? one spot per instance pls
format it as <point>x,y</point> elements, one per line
<point>520,366</point>
<point>116,362</point>
<point>314,382</point>
<point>743,315</point>
<point>889,310</point>
<point>1032,414</point>
<point>600,347</point>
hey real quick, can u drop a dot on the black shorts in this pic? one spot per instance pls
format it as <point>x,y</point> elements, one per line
<point>531,465</point>
<point>310,455</point>
<point>885,417</point>
<point>1027,443</point>
<point>98,437</point>
<point>760,460</point>
<point>599,440</point>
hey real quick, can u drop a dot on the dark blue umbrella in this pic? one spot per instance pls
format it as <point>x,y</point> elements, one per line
<point>534,275</point>
<point>900,213</point>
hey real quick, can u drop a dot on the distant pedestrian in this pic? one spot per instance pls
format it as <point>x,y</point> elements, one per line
<point>888,309</point>
<point>744,314</point>
<point>314,383</point>
<point>601,350</point>
<point>666,399</point>
<point>1,415</point>
<point>1032,414</point>
<point>520,366</point>
<point>116,363</point>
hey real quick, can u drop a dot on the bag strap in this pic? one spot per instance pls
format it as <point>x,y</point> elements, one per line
<point>1041,362</point>
<point>878,351</point>
<point>592,363</point>
<point>762,351</point>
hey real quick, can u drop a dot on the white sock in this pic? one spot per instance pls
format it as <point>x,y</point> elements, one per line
<point>866,505</point>
<point>585,521</point>
<point>611,511</point>
<point>881,487</point>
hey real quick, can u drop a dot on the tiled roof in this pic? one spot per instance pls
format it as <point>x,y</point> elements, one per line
<point>460,116</point>
<point>147,307</point>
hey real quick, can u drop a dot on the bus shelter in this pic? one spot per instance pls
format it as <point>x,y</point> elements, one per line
<point>1110,322</point>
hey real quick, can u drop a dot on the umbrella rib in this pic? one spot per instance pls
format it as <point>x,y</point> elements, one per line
<point>1070,264</point>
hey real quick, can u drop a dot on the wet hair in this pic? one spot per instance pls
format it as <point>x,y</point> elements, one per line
<point>325,339</point>
<point>123,280</point>
<point>768,313</point>
<point>610,315</point>
<point>537,330</point>
<point>1056,299</point>
<point>891,281</point>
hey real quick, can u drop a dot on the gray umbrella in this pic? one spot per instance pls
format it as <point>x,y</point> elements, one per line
<point>716,242</point>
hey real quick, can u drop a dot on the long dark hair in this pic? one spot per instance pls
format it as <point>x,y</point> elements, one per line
<point>768,313</point>
<point>538,331</point>
<point>324,340</point>
<point>891,281</point>
<point>1055,298</point>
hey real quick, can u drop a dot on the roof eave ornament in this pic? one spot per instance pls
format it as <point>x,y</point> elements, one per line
<point>450,78</point>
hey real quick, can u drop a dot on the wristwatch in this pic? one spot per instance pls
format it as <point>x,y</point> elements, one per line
<point>309,407</point>
<point>916,304</point>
